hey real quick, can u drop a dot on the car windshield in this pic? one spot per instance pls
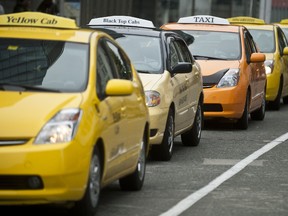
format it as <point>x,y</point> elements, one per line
<point>264,39</point>
<point>43,65</point>
<point>144,52</point>
<point>214,45</point>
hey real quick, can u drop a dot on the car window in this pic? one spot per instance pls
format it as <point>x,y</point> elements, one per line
<point>184,53</point>
<point>144,52</point>
<point>43,64</point>
<point>120,61</point>
<point>174,57</point>
<point>250,46</point>
<point>213,44</point>
<point>264,39</point>
<point>282,40</point>
<point>104,69</point>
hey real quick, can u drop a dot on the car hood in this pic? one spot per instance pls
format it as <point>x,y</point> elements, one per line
<point>24,114</point>
<point>150,80</point>
<point>210,67</point>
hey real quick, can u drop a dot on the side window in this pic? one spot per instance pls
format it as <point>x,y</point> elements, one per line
<point>104,71</point>
<point>120,61</point>
<point>282,40</point>
<point>183,51</point>
<point>173,55</point>
<point>250,46</point>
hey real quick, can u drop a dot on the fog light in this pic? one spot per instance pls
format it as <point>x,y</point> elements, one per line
<point>35,182</point>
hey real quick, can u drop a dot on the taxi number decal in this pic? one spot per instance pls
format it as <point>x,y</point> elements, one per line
<point>182,100</point>
<point>25,20</point>
<point>183,88</point>
<point>116,116</point>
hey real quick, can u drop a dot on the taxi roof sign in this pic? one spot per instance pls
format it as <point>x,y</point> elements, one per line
<point>284,21</point>
<point>37,19</point>
<point>121,21</point>
<point>203,19</point>
<point>246,20</point>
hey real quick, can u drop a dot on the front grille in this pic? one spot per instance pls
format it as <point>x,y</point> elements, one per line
<point>213,108</point>
<point>20,182</point>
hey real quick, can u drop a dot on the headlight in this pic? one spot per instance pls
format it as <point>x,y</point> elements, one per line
<point>152,98</point>
<point>230,79</point>
<point>269,66</point>
<point>61,128</point>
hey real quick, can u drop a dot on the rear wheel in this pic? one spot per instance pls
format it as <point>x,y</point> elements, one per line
<point>135,180</point>
<point>88,204</point>
<point>193,136</point>
<point>164,151</point>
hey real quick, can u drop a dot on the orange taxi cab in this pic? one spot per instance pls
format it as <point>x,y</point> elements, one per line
<point>272,42</point>
<point>233,70</point>
<point>73,114</point>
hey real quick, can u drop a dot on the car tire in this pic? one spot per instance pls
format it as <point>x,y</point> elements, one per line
<point>88,204</point>
<point>285,100</point>
<point>242,123</point>
<point>193,136</point>
<point>135,181</point>
<point>164,151</point>
<point>275,105</point>
<point>259,114</point>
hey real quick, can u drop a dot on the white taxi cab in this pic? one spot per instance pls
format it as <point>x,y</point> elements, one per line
<point>171,77</point>
<point>73,114</point>
<point>233,69</point>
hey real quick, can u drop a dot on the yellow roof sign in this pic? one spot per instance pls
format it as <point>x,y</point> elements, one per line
<point>284,21</point>
<point>37,19</point>
<point>246,20</point>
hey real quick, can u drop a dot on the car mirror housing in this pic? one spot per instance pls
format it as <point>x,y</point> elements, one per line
<point>182,67</point>
<point>257,57</point>
<point>285,51</point>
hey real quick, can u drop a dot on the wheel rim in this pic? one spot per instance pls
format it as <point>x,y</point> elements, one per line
<point>141,161</point>
<point>94,183</point>
<point>171,134</point>
<point>199,121</point>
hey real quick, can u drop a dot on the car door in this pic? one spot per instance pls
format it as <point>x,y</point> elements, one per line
<point>132,111</point>
<point>282,43</point>
<point>182,85</point>
<point>256,70</point>
<point>110,113</point>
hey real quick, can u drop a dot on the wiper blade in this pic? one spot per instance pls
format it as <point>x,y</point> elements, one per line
<point>142,71</point>
<point>20,87</point>
<point>208,57</point>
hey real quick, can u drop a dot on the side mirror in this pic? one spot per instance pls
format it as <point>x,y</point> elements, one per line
<point>182,67</point>
<point>119,87</point>
<point>285,51</point>
<point>257,57</point>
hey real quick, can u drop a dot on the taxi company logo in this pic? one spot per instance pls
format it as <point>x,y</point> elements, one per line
<point>120,21</point>
<point>204,19</point>
<point>25,20</point>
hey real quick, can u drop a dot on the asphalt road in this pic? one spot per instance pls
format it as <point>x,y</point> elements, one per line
<point>231,173</point>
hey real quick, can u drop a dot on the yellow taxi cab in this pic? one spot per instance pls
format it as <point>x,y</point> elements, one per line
<point>233,70</point>
<point>73,114</point>
<point>272,42</point>
<point>171,77</point>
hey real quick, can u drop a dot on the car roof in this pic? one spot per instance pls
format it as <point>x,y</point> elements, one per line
<point>251,22</point>
<point>39,25</point>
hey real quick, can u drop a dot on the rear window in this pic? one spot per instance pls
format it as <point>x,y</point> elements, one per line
<point>56,65</point>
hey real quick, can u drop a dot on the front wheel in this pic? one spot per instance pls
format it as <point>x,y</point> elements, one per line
<point>242,123</point>
<point>135,180</point>
<point>193,136</point>
<point>88,204</point>
<point>164,151</point>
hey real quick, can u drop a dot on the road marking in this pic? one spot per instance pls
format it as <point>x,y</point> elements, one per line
<point>186,203</point>
<point>230,162</point>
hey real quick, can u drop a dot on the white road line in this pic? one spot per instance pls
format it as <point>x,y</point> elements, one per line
<point>186,203</point>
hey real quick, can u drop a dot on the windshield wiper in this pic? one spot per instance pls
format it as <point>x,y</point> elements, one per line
<point>142,71</point>
<point>208,57</point>
<point>19,87</point>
